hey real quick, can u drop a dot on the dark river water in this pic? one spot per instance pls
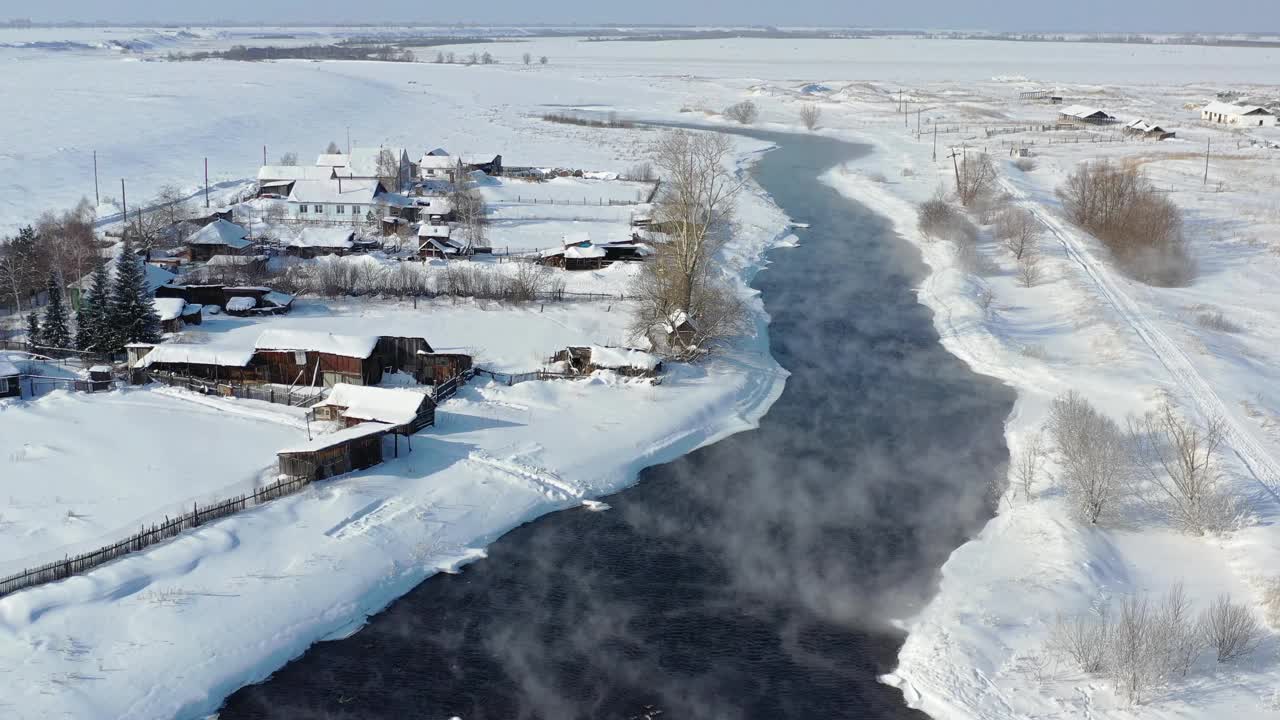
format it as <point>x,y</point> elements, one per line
<point>754,578</point>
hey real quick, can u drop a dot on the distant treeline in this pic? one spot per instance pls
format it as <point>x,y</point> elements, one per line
<point>1129,39</point>
<point>340,51</point>
<point>611,122</point>
<point>737,34</point>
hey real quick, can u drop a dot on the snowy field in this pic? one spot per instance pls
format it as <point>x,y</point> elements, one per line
<point>88,646</point>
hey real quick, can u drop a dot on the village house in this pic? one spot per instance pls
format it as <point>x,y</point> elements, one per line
<point>334,201</point>
<point>175,313</point>
<point>10,380</point>
<point>584,360</point>
<point>435,209</point>
<point>435,242</point>
<point>314,242</point>
<point>205,362</point>
<point>219,237</point>
<point>1239,115</point>
<point>437,167</point>
<point>233,268</point>
<point>578,252</point>
<point>406,411</point>
<point>277,180</point>
<point>1085,115</point>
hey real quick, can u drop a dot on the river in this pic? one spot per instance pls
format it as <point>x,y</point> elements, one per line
<point>754,578</point>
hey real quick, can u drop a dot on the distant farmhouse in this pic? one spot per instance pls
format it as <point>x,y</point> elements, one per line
<point>218,238</point>
<point>1221,113</point>
<point>1149,130</point>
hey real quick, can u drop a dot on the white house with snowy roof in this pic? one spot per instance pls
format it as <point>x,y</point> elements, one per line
<point>1221,113</point>
<point>389,165</point>
<point>334,201</point>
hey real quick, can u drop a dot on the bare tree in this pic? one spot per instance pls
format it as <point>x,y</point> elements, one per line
<point>439,58</point>
<point>527,58</point>
<point>1019,230</point>
<point>1132,655</point>
<point>1178,640</point>
<point>290,158</point>
<point>743,113</point>
<point>975,177</point>
<point>333,149</point>
<point>471,215</point>
<point>1029,269</point>
<point>1178,461</point>
<point>487,58</point>
<point>1083,639</point>
<point>1094,455</point>
<point>542,60</point>
<point>810,116</point>
<point>642,171</point>
<point>695,210</point>
<point>389,170</point>
<point>1027,465</point>
<point>1231,630</point>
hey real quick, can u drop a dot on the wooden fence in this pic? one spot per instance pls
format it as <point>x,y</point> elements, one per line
<point>294,397</point>
<point>517,378</point>
<point>147,536</point>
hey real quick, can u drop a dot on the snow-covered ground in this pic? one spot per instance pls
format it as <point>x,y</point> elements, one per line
<point>89,645</point>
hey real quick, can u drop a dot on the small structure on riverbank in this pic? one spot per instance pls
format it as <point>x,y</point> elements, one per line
<point>584,360</point>
<point>405,411</point>
<point>354,448</point>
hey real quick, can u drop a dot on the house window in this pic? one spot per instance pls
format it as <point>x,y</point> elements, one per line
<point>299,357</point>
<point>355,209</point>
<point>319,208</point>
<point>302,209</point>
<point>4,385</point>
<point>342,209</point>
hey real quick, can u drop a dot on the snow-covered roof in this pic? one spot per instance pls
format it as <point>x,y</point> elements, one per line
<point>234,260</point>
<point>1222,108</point>
<point>1083,111</point>
<point>434,205</point>
<point>1143,126</point>
<point>397,200</point>
<point>361,163</point>
<point>8,369</point>
<point>321,442</point>
<point>169,308</point>
<point>323,237</point>
<point>438,152</point>
<point>277,298</point>
<point>435,231</point>
<point>221,232</point>
<point>578,252</point>
<point>446,247</point>
<point>575,238</point>
<point>197,354</point>
<point>613,358</point>
<point>387,405</point>
<point>96,369</point>
<point>335,191</point>
<point>437,162</point>
<point>331,160</point>
<point>241,303</point>
<point>289,173</point>
<point>675,320</point>
<point>357,346</point>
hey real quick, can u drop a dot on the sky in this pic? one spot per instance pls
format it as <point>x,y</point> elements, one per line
<point>1036,15</point>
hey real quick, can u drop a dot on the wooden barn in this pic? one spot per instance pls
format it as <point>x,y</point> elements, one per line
<point>584,360</point>
<point>405,411</point>
<point>205,362</point>
<point>1085,115</point>
<point>354,448</point>
<point>436,368</point>
<point>176,313</point>
<point>296,357</point>
<point>10,380</point>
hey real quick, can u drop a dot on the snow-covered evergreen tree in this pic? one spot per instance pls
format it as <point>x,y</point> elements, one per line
<point>91,318</point>
<point>33,328</point>
<point>132,316</point>
<point>56,331</point>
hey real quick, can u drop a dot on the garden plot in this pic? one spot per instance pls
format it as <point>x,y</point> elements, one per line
<point>82,470</point>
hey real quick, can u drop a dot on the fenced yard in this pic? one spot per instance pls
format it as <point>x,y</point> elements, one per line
<point>296,397</point>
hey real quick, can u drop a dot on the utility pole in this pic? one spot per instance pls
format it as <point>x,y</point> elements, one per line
<point>348,139</point>
<point>935,140</point>
<point>953,156</point>
<point>124,211</point>
<point>264,155</point>
<point>206,183</point>
<point>917,124</point>
<point>1207,144</point>
<point>96,200</point>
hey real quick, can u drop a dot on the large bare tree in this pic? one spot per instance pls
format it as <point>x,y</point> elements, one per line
<point>693,213</point>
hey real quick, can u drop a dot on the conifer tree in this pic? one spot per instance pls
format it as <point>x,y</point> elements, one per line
<point>131,316</point>
<point>33,329</point>
<point>91,318</point>
<point>55,332</point>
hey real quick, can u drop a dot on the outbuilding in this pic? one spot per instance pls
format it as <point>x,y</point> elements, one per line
<point>1083,114</point>
<point>354,448</point>
<point>584,360</point>
<point>10,380</point>
<point>406,411</point>
<point>315,242</point>
<point>299,357</point>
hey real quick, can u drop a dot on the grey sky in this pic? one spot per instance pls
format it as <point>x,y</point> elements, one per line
<point>1079,15</point>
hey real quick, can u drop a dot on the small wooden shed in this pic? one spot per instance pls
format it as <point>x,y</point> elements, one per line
<point>10,385</point>
<point>405,411</point>
<point>584,360</point>
<point>354,448</point>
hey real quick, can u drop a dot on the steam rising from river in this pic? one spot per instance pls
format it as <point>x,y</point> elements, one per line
<point>754,578</point>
